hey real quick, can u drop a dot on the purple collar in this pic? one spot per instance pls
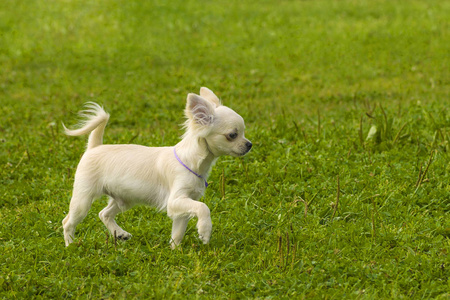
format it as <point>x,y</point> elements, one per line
<point>179,160</point>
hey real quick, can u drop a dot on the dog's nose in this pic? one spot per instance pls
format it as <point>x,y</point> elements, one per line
<point>249,145</point>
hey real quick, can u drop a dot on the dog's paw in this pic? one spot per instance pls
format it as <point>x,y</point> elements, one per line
<point>123,235</point>
<point>204,231</point>
<point>174,245</point>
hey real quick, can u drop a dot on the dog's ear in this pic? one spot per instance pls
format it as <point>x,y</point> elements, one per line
<point>210,96</point>
<point>199,110</point>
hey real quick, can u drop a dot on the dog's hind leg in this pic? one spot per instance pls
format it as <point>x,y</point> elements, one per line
<point>107,216</point>
<point>79,207</point>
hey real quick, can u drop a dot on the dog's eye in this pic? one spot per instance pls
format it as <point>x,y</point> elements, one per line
<point>232,136</point>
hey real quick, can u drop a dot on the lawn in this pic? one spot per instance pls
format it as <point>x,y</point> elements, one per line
<point>346,193</point>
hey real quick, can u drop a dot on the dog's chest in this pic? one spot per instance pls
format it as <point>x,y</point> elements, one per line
<point>196,191</point>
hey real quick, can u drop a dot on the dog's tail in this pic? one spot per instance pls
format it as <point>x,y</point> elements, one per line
<point>94,123</point>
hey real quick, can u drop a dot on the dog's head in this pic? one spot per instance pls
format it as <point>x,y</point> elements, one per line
<point>221,127</point>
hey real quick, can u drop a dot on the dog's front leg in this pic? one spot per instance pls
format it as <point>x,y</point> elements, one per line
<point>180,210</point>
<point>178,229</point>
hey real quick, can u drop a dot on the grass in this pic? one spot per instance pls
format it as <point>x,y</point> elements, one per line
<point>345,194</point>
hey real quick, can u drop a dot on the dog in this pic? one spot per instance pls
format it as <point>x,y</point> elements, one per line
<point>169,178</point>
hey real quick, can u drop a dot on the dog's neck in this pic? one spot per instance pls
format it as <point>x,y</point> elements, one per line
<point>195,153</point>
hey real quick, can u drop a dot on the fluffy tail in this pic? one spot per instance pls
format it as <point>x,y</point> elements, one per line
<point>94,123</point>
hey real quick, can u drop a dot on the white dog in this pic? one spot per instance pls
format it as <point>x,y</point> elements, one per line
<point>169,178</point>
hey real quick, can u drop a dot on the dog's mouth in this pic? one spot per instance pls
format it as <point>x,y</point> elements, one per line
<point>246,149</point>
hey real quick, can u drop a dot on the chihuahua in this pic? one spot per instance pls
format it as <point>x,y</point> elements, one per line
<point>168,178</point>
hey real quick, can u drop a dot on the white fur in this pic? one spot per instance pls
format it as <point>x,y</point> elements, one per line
<point>133,174</point>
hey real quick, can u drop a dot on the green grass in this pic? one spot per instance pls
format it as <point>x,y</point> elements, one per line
<point>311,79</point>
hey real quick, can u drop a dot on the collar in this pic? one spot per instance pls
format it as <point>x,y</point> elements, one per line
<point>198,175</point>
